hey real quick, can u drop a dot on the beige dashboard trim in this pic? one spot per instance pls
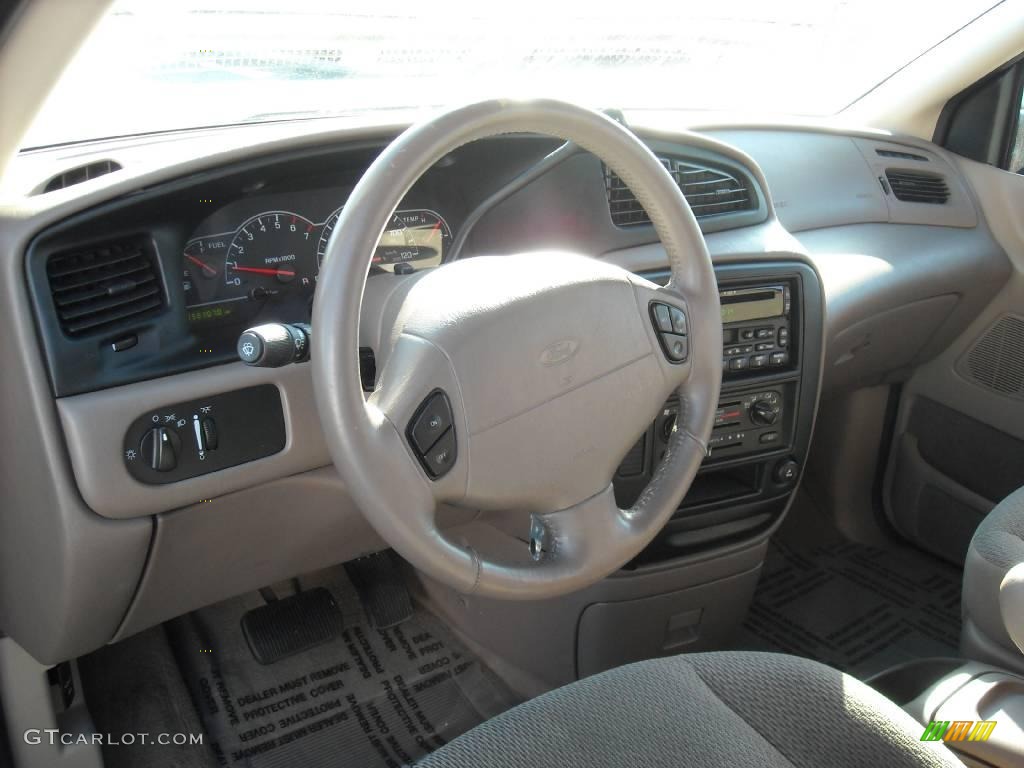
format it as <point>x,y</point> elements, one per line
<point>95,425</point>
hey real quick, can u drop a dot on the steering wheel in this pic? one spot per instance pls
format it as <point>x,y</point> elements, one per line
<point>518,382</point>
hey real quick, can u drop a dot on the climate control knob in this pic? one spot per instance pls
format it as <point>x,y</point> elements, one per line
<point>764,412</point>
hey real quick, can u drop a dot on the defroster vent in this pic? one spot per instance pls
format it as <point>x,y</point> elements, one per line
<point>709,191</point>
<point>104,285</point>
<point>917,186</point>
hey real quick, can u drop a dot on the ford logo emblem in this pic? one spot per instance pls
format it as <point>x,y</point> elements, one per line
<point>558,352</point>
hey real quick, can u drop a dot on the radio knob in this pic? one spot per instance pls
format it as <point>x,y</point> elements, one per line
<point>764,412</point>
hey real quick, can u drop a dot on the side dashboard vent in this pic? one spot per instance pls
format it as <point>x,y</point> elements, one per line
<point>918,186</point>
<point>104,285</point>
<point>996,360</point>
<point>80,174</point>
<point>709,191</point>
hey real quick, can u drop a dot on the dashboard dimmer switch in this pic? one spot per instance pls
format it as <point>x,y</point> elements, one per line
<point>210,434</point>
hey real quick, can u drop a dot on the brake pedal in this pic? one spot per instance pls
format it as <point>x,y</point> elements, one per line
<point>288,626</point>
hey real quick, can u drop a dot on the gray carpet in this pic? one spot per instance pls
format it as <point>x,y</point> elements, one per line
<point>860,609</point>
<point>366,698</point>
<point>136,687</point>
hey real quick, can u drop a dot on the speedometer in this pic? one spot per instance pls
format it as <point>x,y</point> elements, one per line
<point>418,237</point>
<point>268,251</point>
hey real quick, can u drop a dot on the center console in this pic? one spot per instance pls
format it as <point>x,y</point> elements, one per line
<point>771,331</point>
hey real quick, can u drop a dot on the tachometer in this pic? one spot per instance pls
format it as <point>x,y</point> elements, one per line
<point>417,236</point>
<point>269,251</point>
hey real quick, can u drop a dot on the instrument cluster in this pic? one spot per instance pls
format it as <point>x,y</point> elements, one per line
<point>272,258</point>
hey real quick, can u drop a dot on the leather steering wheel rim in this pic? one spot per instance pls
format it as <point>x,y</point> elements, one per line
<point>591,537</point>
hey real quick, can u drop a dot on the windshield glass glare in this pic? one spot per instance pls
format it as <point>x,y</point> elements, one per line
<point>152,65</point>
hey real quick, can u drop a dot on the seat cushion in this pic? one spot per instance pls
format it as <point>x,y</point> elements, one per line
<point>714,709</point>
<point>997,546</point>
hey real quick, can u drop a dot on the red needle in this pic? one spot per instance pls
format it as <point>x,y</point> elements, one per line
<point>204,265</point>
<point>262,271</point>
<point>436,226</point>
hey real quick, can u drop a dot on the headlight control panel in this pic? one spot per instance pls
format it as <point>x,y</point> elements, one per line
<point>196,437</point>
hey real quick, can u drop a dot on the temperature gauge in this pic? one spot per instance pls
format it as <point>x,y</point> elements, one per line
<point>419,237</point>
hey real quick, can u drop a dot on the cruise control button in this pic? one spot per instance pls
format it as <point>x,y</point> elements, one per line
<point>663,318</point>
<point>676,347</point>
<point>432,422</point>
<point>439,459</point>
<point>678,320</point>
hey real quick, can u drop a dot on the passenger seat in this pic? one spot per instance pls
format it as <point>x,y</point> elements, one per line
<point>993,593</point>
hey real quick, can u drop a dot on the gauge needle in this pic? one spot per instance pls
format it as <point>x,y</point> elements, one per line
<point>206,267</point>
<point>264,271</point>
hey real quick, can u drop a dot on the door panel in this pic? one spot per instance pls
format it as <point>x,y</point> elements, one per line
<point>959,437</point>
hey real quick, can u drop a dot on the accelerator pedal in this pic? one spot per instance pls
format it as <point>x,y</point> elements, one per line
<point>283,628</point>
<point>381,589</point>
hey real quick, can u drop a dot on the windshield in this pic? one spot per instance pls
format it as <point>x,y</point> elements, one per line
<point>153,65</point>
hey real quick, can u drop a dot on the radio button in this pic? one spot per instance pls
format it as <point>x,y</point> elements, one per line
<point>758,361</point>
<point>678,320</point>
<point>764,346</point>
<point>738,364</point>
<point>783,337</point>
<point>747,334</point>
<point>765,333</point>
<point>780,358</point>
<point>676,347</point>
<point>663,318</point>
<point>768,437</point>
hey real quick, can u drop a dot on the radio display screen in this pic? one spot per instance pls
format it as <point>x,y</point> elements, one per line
<point>741,305</point>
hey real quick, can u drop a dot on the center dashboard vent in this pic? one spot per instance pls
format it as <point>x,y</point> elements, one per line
<point>917,186</point>
<point>103,285</point>
<point>709,191</point>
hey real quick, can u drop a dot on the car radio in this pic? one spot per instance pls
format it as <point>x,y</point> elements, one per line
<point>756,330</point>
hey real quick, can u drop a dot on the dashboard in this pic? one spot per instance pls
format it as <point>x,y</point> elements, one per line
<point>222,232</point>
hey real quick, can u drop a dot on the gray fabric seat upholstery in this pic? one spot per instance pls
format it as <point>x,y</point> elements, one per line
<point>997,546</point>
<point>732,709</point>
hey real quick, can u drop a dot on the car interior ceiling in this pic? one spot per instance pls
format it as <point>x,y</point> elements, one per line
<point>198,536</point>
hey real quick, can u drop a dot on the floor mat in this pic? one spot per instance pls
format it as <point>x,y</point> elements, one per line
<point>366,698</point>
<point>857,608</point>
